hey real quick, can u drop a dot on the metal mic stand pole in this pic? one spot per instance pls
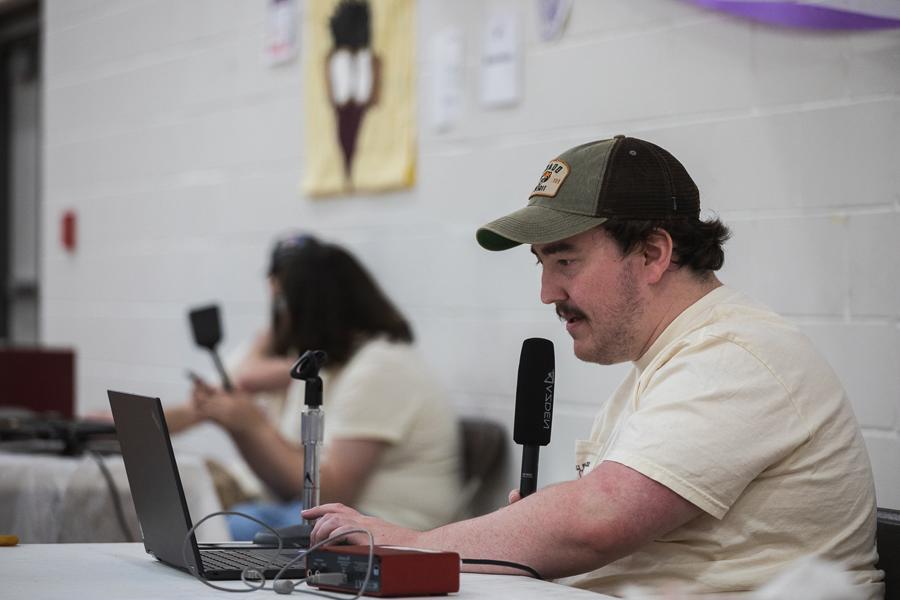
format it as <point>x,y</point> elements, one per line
<point>312,429</point>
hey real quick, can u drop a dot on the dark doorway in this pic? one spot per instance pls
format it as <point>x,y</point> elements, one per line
<point>20,171</point>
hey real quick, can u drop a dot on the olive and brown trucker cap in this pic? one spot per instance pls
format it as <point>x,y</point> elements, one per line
<point>622,177</point>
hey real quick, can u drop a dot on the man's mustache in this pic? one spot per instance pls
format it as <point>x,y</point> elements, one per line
<point>566,311</point>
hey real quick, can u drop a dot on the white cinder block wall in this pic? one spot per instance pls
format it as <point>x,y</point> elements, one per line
<point>181,153</point>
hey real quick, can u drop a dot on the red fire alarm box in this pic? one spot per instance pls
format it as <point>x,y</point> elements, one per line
<point>68,231</point>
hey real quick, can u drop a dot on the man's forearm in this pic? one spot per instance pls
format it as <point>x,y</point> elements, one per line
<point>565,529</point>
<point>573,527</point>
<point>545,531</point>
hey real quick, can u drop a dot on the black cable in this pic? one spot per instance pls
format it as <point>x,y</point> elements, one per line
<point>113,494</point>
<point>502,563</point>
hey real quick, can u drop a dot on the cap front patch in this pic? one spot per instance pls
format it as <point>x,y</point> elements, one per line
<point>552,177</point>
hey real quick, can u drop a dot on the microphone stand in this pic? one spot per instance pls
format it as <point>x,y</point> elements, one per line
<point>312,430</point>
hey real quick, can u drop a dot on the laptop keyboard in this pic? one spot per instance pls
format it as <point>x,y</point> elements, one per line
<point>235,559</point>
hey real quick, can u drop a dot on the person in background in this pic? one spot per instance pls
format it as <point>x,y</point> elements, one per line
<point>261,367</point>
<point>391,438</point>
<point>729,451</point>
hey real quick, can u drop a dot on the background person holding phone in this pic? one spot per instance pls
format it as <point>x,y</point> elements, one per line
<point>259,367</point>
<point>391,437</point>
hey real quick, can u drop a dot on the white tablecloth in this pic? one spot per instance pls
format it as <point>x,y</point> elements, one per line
<point>46,499</point>
<point>101,571</point>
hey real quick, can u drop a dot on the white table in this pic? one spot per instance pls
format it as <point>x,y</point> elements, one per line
<point>46,499</point>
<point>107,571</point>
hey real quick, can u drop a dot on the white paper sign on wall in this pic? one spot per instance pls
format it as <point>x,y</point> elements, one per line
<point>281,32</point>
<point>448,82</point>
<point>501,60</point>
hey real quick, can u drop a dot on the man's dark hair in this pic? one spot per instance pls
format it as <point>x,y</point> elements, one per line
<point>696,244</point>
<point>331,303</point>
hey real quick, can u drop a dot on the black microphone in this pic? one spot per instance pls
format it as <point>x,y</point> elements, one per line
<point>534,406</point>
<point>207,328</point>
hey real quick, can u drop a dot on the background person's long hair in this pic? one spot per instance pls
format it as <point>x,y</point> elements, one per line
<point>331,303</point>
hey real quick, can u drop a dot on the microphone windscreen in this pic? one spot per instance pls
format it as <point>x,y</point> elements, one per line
<point>206,326</point>
<point>534,393</point>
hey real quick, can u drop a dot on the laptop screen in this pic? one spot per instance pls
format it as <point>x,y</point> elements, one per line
<point>153,477</point>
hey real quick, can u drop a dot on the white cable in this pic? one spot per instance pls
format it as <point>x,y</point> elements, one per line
<point>281,586</point>
<point>245,573</point>
<point>331,539</point>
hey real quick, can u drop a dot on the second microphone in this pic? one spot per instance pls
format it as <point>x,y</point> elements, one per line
<point>534,406</point>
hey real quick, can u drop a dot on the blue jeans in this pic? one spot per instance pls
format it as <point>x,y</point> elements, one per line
<point>274,514</point>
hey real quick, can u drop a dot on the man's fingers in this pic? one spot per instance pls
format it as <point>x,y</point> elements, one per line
<point>323,509</point>
<point>332,526</point>
<point>514,496</point>
<point>329,518</point>
<point>324,527</point>
<point>353,538</point>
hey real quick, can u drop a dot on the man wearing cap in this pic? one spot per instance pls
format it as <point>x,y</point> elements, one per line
<point>728,452</point>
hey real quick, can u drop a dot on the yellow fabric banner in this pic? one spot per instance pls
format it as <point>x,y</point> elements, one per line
<point>359,96</point>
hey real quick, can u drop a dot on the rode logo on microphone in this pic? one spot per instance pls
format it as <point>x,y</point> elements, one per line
<point>548,399</point>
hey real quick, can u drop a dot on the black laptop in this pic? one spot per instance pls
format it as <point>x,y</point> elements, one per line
<point>160,504</point>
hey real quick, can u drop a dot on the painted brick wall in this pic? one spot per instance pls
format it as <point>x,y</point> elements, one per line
<point>181,152</point>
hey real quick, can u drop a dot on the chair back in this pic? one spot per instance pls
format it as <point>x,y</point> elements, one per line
<point>484,455</point>
<point>887,537</point>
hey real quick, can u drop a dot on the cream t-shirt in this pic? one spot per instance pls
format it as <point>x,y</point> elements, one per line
<point>734,410</point>
<point>386,393</point>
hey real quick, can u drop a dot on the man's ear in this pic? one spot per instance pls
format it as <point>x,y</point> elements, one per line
<point>657,255</point>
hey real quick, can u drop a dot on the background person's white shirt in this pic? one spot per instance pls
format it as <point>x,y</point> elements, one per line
<point>386,393</point>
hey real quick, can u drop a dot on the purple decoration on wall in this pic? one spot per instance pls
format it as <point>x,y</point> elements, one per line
<point>804,16</point>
